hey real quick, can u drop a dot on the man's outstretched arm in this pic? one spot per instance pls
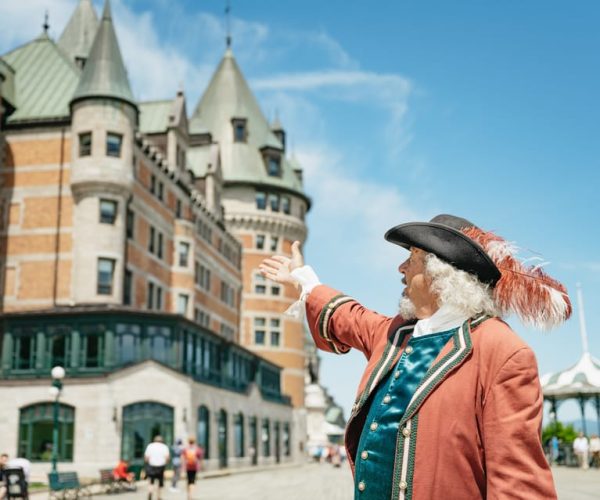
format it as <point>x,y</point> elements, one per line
<point>337,322</point>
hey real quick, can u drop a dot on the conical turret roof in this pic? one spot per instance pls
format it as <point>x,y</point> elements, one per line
<point>104,74</point>
<point>229,97</point>
<point>77,37</point>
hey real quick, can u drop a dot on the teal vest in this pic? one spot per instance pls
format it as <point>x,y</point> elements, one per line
<point>376,448</point>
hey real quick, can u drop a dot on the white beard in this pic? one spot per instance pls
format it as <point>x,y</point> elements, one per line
<point>407,308</point>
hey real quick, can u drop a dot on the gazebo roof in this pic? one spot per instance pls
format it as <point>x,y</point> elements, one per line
<point>581,379</point>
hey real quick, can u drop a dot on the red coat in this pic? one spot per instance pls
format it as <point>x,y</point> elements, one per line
<point>472,429</point>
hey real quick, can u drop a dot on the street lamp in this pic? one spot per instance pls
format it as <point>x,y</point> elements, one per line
<point>57,373</point>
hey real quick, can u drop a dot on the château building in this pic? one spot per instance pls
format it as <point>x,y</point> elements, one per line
<point>130,237</point>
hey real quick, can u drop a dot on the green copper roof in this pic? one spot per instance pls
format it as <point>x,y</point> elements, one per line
<point>77,37</point>
<point>7,80</point>
<point>45,80</point>
<point>104,74</point>
<point>228,96</point>
<point>154,116</point>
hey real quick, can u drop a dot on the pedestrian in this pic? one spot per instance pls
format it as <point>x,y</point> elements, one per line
<point>581,448</point>
<point>176,451</point>
<point>156,458</point>
<point>3,464</point>
<point>554,451</point>
<point>595,450</point>
<point>450,403</point>
<point>192,456</point>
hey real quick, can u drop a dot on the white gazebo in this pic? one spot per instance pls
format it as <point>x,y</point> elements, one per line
<point>580,382</point>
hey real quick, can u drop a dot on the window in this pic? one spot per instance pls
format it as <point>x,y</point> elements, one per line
<point>274,166</point>
<point>260,284</point>
<point>274,202</point>
<point>203,276</point>
<point>239,130</point>
<point>274,243</point>
<point>130,223</point>
<point>127,287</point>
<point>92,345</point>
<point>261,200</point>
<point>153,184</point>
<point>113,144</point>
<point>275,290</point>
<point>259,330</point>
<point>161,343</point>
<point>260,241</point>
<point>226,331</point>
<point>287,449</point>
<point>159,298</point>
<point>285,205</point>
<point>184,252</point>
<point>35,432</point>
<point>106,269</point>
<point>205,231</point>
<point>238,432</point>
<point>58,345</point>
<point>108,211</point>
<point>150,296</point>
<point>203,430</point>
<point>275,331</point>
<point>85,144</point>
<point>227,294</point>
<point>159,246</point>
<point>201,317</point>
<point>266,438</point>
<point>161,191</point>
<point>178,209</point>
<point>182,303</point>
<point>127,343</point>
<point>24,349</point>
<point>151,237</point>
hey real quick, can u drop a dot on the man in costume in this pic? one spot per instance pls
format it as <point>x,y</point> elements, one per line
<point>450,404</point>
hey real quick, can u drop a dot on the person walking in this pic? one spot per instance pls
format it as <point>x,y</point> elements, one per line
<point>192,457</point>
<point>595,450</point>
<point>581,448</point>
<point>446,365</point>
<point>156,457</point>
<point>176,451</point>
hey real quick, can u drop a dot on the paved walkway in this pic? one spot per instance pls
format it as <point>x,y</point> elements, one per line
<point>317,482</point>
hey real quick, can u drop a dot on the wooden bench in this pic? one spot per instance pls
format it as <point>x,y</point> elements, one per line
<point>66,485</point>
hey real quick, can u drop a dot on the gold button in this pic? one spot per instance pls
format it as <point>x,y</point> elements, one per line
<point>364,455</point>
<point>387,399</point>
<point>373,426</point>
<point>409,349</point>
<point>403,485</point>
<point>396,375</point>
<point>405,432</point>
<point>362,486</point>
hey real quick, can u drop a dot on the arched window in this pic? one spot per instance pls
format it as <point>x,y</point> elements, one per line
<point>286,439</point>
<point>266,438</point>
<point>141,423</point>
<point>238,430</point>
<point>35,432</point>
<point>203,430</point>
<point>222,438</point>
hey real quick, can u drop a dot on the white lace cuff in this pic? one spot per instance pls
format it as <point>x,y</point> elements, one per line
<point>308,279</point>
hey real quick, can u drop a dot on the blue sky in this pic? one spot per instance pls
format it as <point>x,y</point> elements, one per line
<point>398,111</point>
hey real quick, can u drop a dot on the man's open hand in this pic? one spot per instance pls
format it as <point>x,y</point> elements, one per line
<point>279,268</point>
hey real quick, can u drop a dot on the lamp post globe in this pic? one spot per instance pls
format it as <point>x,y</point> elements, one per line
<point>58,373</point>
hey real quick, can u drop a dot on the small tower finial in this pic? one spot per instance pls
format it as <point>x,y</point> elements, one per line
<point>46,24</point>
<point>228,23</point>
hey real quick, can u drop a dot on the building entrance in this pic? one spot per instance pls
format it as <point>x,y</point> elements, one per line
<point>141,423</point>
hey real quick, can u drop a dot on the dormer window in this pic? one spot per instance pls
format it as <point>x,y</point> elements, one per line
<point>274,166</point>
<point>240,132</point>
<point>113,144</point>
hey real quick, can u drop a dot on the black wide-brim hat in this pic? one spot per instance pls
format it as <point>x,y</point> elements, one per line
<point>443,237</point>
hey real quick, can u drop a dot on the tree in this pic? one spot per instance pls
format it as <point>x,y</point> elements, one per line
<point>566,433</point>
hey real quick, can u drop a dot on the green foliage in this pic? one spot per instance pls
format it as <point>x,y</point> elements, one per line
<point>566,433</point>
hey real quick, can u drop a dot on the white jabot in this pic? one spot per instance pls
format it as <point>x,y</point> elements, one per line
<point>444,319</point>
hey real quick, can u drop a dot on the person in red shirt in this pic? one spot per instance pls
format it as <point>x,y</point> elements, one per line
<point>192,460</point>
<point>120,473</point>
